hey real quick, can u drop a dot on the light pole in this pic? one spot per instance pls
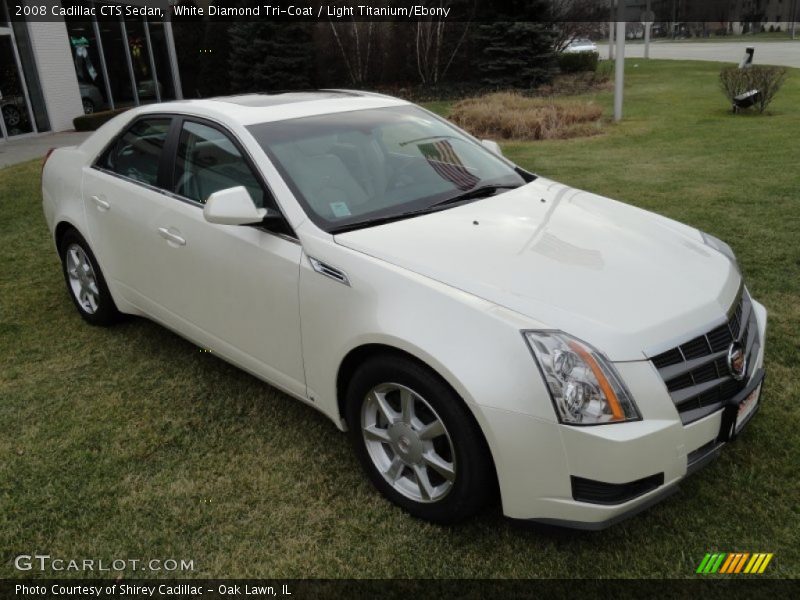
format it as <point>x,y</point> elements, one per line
<point>619,66</point>
<point>611,34</point>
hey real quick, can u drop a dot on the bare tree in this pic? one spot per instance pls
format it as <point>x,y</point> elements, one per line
<point>576,19</point>
<point>434,57</point>
<point>355,41</point>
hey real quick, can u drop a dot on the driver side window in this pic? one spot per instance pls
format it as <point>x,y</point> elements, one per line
<point>208,161</point>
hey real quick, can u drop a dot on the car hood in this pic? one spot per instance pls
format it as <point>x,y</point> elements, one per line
<point>627,281</point>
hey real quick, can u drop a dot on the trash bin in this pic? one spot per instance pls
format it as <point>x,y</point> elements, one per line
<point>745,100</point>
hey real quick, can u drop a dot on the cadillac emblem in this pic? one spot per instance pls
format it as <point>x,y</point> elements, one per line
<point>737,362</point>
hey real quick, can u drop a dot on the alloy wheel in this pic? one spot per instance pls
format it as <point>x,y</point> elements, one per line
<point>82,279</point>
<point>408,442</point>
<point>11,115</point>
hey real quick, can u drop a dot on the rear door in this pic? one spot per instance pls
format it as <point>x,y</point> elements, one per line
<point>120,191</point>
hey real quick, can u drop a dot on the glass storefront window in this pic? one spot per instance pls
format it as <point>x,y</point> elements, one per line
<point>114,48</point>
<point>147,85</point>
<point>29,71</point>
<point>161,58</point>
<point>118,63</point>
<point>121,53</point>
<point>13,100</point>
<point>88,66</point>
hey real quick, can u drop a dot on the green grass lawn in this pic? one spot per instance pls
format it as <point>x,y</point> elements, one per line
<point>130,442</point>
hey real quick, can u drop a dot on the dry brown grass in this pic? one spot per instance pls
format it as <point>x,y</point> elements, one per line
<point>512,116</point>
<point>573,84</point>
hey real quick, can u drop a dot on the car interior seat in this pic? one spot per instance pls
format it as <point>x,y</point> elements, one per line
<point>321,175</point>
<point>363,157</point>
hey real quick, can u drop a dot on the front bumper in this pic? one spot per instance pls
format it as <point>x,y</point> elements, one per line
<point>538,461</point>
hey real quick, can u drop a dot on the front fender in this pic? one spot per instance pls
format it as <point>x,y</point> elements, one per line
<point>475,345</point>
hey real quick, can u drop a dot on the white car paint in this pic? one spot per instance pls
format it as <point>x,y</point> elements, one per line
<point>546,231</point>
<point>581,45</point>
<point>453,289</point>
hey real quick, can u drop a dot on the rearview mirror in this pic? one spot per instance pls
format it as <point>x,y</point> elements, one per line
<point>492,146</point>
<point>234,206</point>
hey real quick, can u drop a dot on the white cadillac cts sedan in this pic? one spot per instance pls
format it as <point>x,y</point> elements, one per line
<point>473,326</point>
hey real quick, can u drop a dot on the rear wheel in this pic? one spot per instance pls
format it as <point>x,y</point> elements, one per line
<point>85,282</point>
<point>11,115</point>
<point>417,441</point>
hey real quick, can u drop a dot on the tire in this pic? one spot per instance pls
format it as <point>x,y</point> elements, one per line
<point>85,282</point>
<point>11,115</point>
<point>398,451</point>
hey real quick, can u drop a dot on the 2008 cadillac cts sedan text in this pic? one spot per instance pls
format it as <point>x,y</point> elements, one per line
<point>473,326</point>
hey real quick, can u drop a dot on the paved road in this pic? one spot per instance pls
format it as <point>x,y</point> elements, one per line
<point>767,53</point>
<point>27,148</point>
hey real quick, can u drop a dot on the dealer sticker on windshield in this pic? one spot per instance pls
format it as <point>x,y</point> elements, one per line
<point>340,209</point>
<point>746,408</point>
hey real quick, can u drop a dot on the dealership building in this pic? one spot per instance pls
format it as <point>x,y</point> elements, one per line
<point>52,71</point>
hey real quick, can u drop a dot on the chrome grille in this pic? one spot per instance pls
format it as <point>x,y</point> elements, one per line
<point>696,372</point>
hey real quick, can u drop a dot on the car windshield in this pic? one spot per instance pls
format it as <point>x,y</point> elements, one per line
<point>362,167</point>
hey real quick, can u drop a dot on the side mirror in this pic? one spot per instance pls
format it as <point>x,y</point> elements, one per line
<point>234,206</point>
<point>492,146</point>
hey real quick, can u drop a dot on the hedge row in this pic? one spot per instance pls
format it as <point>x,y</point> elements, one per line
<point>578,62</point>
<point>94,120</point>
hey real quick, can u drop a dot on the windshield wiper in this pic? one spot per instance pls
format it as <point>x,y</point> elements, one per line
<point>380,220</point>
<point>483,191</point>
<point>479,192</point>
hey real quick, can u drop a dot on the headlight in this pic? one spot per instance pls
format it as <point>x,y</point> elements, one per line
<point>585,388</point>
<point>720,246</point>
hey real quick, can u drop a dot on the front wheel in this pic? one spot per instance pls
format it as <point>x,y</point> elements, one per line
<point>85,282</point>
<point>417,441</point>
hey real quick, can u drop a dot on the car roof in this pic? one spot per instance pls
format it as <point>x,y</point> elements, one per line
<point>248,109</point>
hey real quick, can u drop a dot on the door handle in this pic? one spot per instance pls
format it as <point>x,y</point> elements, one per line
<point>101,204</point>
<point>171,237</point>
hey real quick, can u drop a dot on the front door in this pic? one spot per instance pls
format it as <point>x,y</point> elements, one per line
<point>237,285</point>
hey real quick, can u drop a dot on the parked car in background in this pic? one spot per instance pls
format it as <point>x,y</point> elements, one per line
<point>91,97</point>
<point>472,325</point>
<point>581,45</point>
<point>146,89</point>
<point>15,114</point>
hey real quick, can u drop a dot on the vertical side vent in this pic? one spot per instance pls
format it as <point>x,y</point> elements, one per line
<point>329,271</point>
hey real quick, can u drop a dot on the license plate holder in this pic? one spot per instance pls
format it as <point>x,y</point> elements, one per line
<point>747,408</point>
<point>740,410</point>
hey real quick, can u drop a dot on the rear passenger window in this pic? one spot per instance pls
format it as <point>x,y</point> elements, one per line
<point>137,153</point>
<point>208,161</point>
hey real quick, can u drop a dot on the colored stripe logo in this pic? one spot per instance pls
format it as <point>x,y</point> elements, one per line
<point>732,563</point>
